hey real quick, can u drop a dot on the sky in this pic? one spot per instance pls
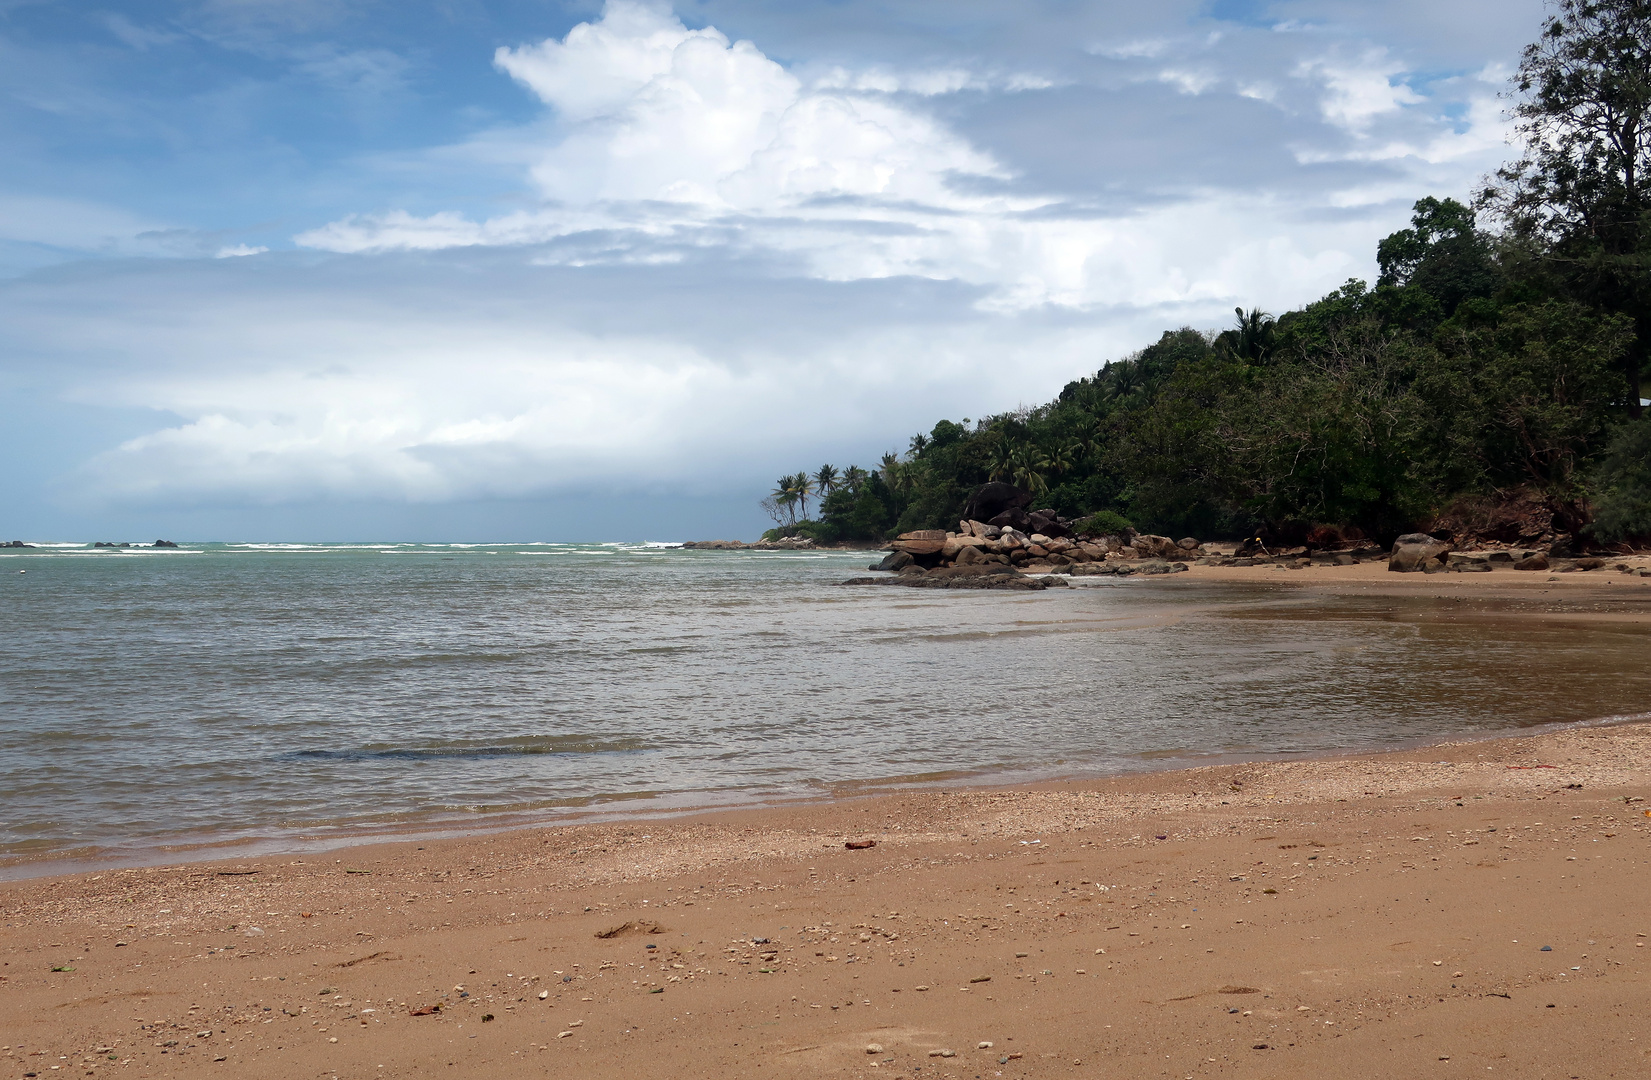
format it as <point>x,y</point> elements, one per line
<point>521,270</point>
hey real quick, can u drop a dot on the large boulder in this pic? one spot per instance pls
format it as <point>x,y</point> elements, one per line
<point>955,545</point>
<point>1156,547</point>
<point>991,500</point>
<point>1412,553</point>
<point>894,560</point>
<point>1538,561</point>
<point>1047,522</point>
<point>922,542</point>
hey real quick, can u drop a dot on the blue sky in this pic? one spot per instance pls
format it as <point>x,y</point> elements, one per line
<point>499,269</point>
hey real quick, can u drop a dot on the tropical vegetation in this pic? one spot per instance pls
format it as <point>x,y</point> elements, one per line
<point>1498,355</point>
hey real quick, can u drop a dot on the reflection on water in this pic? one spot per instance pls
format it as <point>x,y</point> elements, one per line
<point>238,690</point>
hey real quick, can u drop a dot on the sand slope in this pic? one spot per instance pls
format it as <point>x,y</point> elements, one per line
<point>1332,918</point>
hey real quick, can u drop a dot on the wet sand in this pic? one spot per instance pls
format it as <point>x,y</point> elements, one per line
<point>1384,915</point>
<point>1374,578</point>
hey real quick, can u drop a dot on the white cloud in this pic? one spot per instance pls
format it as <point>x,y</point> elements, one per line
<point>667,130</point>
<point>1188,82</point>
<point>743,221</point>
<point>1361,90</point>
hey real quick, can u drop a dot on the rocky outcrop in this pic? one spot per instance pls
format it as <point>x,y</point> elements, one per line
<point>991,500</point>
<point>1415,552</point>
<point>163,544</point>
<point>1145,567</point>
<point>17,544</point>
<point>1538,561</point>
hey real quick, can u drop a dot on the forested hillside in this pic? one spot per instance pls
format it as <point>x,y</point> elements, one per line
<point>1496,362</point>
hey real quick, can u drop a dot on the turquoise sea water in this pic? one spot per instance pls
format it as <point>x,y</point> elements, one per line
<point>275,694</point>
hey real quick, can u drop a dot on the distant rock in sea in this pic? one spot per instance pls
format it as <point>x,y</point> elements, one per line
<point>787,543</point>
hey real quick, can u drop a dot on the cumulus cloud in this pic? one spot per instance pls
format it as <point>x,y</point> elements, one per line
<point>711,266</point>
<point>1360,90</point>
<point>676,131</point>
<point>680,138</point>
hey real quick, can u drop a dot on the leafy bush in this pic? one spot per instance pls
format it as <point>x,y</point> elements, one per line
<point>1623,511</point>
<point>1105,523</point>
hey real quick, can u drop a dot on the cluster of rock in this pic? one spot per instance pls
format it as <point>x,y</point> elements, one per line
<point>980,548</point>
<point>1427,554</point>
<point>784,543</point>
<point>17,543</point>
<point>107,544</point>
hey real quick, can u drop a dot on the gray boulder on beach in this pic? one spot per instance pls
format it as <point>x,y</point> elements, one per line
<point>1413,552</point>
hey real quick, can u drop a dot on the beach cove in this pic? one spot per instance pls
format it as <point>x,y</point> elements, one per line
<point>1454,907</point>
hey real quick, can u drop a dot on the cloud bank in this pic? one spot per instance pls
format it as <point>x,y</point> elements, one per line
<point>687,265</point>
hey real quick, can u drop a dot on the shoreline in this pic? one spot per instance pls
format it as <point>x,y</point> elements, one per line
<point>181,854</point>
<point>1293,917</point>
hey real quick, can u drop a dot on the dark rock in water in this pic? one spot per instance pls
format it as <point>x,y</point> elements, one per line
<point>991,500</point>
<point>894,560</point>
<point>1155,566</point>
<point>17,543</point>
<point>1096,569</point>
<point>164,544</point>
<point>940,580</point>
<point>1417,551</point>
<point>972,570</point>
<point>1533,562</point>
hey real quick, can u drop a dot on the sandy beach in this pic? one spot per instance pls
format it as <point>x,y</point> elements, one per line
<point>1453,910</point>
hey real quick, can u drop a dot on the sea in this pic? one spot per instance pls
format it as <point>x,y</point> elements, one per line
<point>213,700</point>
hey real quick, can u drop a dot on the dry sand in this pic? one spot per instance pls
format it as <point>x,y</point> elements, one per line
<point>1367,916</point>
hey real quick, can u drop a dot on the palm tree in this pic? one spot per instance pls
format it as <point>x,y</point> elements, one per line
<point>785,495</point>
<point>853,477</point>
<point>1027,464</point>
<point>1123,379</point>
<point>919,443</point>
<point>896,474</point>
<point>999,462</point>
<point>803,485</point>
<point>1063,456</point>
<point>1255,333</point>
<point>1089,437</point>
<point>825,481</point>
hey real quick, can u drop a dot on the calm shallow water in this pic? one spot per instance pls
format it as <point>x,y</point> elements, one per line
<point>288,691</point>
